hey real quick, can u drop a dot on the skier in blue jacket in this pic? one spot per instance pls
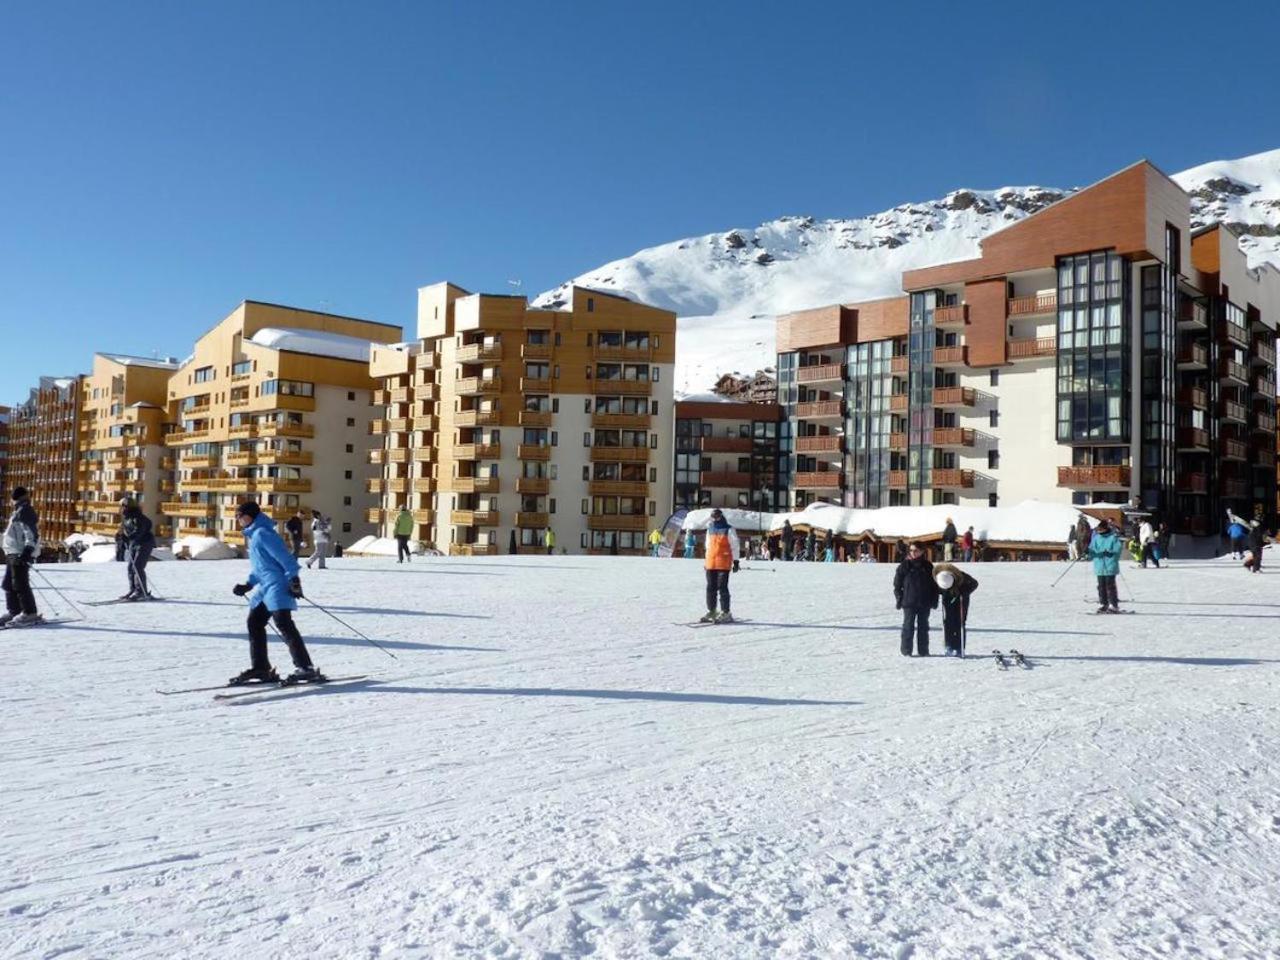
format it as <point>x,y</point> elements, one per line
<point>273,580</point>
<point>1237,532</point>
<point>1104,550</point>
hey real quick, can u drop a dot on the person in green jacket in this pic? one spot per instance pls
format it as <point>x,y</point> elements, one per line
<point>404,527</point>
<point>550,541</point>
<point>1104,550</point>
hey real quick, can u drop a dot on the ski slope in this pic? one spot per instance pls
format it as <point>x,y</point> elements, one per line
<point>552,768</point>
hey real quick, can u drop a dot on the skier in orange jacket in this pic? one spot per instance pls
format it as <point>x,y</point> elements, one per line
<point>721,550</point>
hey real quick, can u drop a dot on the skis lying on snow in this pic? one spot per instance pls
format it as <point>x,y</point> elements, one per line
<point>1012,658</point>
<point>1019,659</point>
<point>1001,660</point>
<point>281,687</point>
<point>257,686</point>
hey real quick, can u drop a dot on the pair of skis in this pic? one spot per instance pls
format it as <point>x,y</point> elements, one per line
<point>1013,658</point>
<point>39,623</point>
<point>236,691</point>
<point>115,600</point>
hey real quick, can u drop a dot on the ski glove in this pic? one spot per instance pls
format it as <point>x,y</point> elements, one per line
<point>29,555</point>
<point>240,589</point>
<point>295,587</point>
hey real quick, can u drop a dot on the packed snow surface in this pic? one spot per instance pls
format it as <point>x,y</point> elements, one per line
<point>555,766</point>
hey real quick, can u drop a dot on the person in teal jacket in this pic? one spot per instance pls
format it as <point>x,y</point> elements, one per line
<point>1104,549</point>
<point>274,589</point>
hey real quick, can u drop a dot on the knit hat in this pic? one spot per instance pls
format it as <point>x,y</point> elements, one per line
<point>945,579</point>
<point>248,509</point>
<point>716,514</point>
<point>20,493</point>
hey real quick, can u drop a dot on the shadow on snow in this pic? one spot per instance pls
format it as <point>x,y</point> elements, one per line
<point>309,639</point>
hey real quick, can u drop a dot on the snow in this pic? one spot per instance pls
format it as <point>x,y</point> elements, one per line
<point>316,342</point>
<point>1029,522</point>
<point>124,359</point>
<point>728,300</point>
<point>382,547</point>
<point>551,768</point>
<point>203,548</point>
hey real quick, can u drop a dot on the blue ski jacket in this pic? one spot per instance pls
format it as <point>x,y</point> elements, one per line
<point>1105,550</point>
<point>271,565</point>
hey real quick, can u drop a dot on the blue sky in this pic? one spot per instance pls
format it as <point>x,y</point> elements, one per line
<point>160,162</point>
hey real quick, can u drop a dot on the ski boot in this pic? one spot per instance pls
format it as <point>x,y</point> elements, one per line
<point>26,620</point>
<point>724,616</point>
<point>254,675</point>
<point>708,617</point>
<point>304,675</point>
<point>6,619</point>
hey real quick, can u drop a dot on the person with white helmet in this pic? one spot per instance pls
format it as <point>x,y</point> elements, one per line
<point>954,587</point>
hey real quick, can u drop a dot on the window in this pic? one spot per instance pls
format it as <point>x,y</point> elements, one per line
<point>653,409</point>
<point>346,474</point>
<point>591,304</point>
<point>586,439</point>
<point>346,527</point>
<point>551,505</point>
<point>351,421</point>
<point>993,459</point>
<point>350,448</point>
<point>995,377</point>
<point>205,374</point>
<point>289,388</point>
<point>586,506</point>
<point>346,501</point>
<point>351,394</point>
<point>654,377</point>
<point>993,418</point>
<point>993,500</point>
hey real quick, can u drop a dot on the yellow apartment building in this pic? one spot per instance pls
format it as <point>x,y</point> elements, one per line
<point>501,422</point>
<point>122,426</point>
<point>44,453</point>
<point>274,406</point>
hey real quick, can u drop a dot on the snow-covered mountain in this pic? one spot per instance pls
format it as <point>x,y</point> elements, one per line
<point>728,287</point>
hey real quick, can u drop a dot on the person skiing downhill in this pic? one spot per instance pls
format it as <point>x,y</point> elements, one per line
<point>956,588</point>
<point>1104,550</point>
<point>140,540</point>
<point>273,580</point>
<point>21,541</point>
<point>720,551</point>
<point>916,594</point>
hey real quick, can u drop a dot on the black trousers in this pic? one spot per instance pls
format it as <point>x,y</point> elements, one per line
<point>1149,553</point>
<point>402,546</point>
<point>1237,545</point>
<point>258,618</point>
<point>1107,596</point>
<point>718,585</point>
<point>954,617</point>
<point>17,586</point>
<point>138,558</point>
<point>915,627</point>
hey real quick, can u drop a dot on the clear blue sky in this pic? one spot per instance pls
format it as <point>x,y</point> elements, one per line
<point>161,161</point>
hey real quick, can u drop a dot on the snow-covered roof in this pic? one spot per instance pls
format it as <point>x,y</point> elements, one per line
<point>124,359</point>
<point>707,397</point>
<point>1029,522</point>
<point>143,405</point>
<point>316,342</point>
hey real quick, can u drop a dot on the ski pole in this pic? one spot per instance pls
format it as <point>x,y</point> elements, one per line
<point>1127,588</point>
<point>148,581</point>
<point>1064,573</point>
<point>50,585</point>
<point>352,629</point>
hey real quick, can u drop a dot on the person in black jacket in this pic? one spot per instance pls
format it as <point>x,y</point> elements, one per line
<point>1257,539</point>
<point>949,541</point>
<point>787,539</point>
<point>916,595</point>
<point>139,540</point>
<point>21,541</point>
<point>955,587</point>
<point>294,527</point>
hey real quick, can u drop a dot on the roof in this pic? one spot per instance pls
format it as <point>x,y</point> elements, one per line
<point>127,360</point>
<point>316,342</point>
<point>321,313</point>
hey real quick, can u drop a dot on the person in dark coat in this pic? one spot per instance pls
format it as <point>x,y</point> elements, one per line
<point>900,551</point>
<point>916,594</point>
<point>140,540</point>
<point>788,538</point>
<point>949,541</point>
<point>955,587</point>
<point>294,526</point>
<point>810,542</point>
<point>1257,540</point>
<point>21,543</point>
<point>613,545</point>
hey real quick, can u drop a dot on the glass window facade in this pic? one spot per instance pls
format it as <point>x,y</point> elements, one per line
<point>868,423</point>
<point>1093,391</point>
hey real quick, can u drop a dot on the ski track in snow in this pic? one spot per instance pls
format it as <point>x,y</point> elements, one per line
<point>550,770</point>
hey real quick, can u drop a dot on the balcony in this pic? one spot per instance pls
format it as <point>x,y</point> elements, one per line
<point>898,442</point>
<point>897,479</point>
<point>476,484</point>
<point>1264,354</point>
<point>1265,386</point>
<point>535,418</point>
<point>397,455</point>
<point>424,516</point>
<point>1264,422</point>
<point>374,515</point>
<point>398,395</point>
<point>820,373</point>
<point>478,386</point>
<point>534,486</point>
<point>283,485</point>
<point>476,418</point>
<point>1235,333</point>
<point>953,437</point>
<point>1193,355</point>
<point>954,397</point>
<point>1192,315</point>
<point>1032,348</point>
<point>423,484</point>
<point>378,428</point>
<point>898,403</point>
<point>1032,304</point>
<point>376,485</point>
<point>473,518</point>
<point>1193,397</point>
<point>285,401</point>
<point>239,459</point>
<point>621,421</point>
<point>616,488</point>
<point>535,351</point>
<point>479,353</point>
<point>535,385</point>
<point>1230,449</point>
<point>953,316</point>
<point>817,480</point>
<point>899,366</point>
<point>950,356</point>
<point>1192,438</point>
<point>533,519</point>
<point>1230,370</point>
<point>623,388</point>
<point>827,443</point>
<point>622,352</point>
<point>295,458</point>
<point>473,550</point>
<point>1235,489</point>
<point>1192,483</point>
<point>617,521</point>
<point>629,454</point>
<point>726,444</point>
<point>179,508</point>
<point>1093,478</point>
<point>424,454</point>
<point>203,462</point>
<point>952,479</point>
<point>1236,412</point>
<point>242,431</point>
<point>274,429</point>
<point>732,479</point>
<point>381,397</point>
<point>533,451</point>
<point>424,422</point>
<point>477,451</point>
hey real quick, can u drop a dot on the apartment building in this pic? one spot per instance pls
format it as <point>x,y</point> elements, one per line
<point>6,414</point>
<point>273,405</point>
<point>503,421</point>
<point>730,454</point>
<point>122,425</point>
<point>44,453</point>
<point>1096,351</point>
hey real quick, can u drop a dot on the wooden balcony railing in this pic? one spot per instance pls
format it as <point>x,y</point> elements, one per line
<point>1033,304</point>
<point>621,488</point>
<point>1030,348</point>
<point>727,445</point>
<point>533,451</point>
<point>621,421</point>
<point>616,521</point>
<point>954,397</point>
<point>630,454</point>
<point>1193,397</point>
<point>533,486</point>
<point>1191,483</point>
<point>479,352</point>
<point>725,478</point>
<point>1232,449</point>
<point>1193,355</point>
<point>953,437</point>
<point>829,443</point>
<point>947,479</point>
<point>524,519</point>
<point>820,409</point>
<point>954,316</point>
<point>623,388</point>
<point>535,418</point>
<point>817,480</point>
<point>1103,476</point>
<point>1192,438</point>
<point>820,372</point>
